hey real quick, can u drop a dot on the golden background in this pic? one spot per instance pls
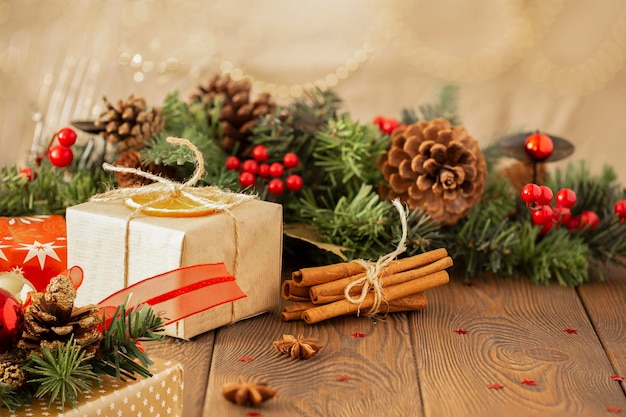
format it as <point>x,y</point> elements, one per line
<point>553,65</point>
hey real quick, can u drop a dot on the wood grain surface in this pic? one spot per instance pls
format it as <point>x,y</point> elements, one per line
<point>516,331</point>
<point>606,306</point>
<point>416,364</point>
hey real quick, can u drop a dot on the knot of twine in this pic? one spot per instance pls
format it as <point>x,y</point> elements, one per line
<point>374,270</point>
<point>209,197</point>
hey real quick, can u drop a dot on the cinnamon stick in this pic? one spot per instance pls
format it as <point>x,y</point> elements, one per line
<point>393,292</point>
<point>411,302</point>
<point>307,277</point>
<point>290,292</point>
<point>335,290</point>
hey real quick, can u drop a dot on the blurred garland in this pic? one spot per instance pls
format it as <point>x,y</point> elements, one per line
<point>341,201</point>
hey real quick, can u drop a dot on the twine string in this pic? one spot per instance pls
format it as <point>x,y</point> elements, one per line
<point>372,281</point>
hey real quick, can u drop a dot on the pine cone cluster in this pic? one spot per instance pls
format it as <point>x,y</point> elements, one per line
<point>52,318</point>
<point>436,167</point>
<point>237,114</point>
<point>132,159</point>
<point>129,123</point>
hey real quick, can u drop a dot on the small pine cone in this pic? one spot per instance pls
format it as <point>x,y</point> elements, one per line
<point>11,371</point>
<point>53,318</point>
<point>129,124</point>
<point>436,167</point>
<point>132,159</point>
<point>521,173</point>
<point>238,114</point>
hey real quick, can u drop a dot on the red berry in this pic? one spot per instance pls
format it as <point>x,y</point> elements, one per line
<point>546,228</point>
<point>233,163</point>
<point>389,125</point>
<point>264,170</point>
<point>294,182</point>
<point>573,223</point>
<point>589,219</point>
<point>259,153</point>
<point>620,209</point>
<point>290,160</point>
<point>378,121</point>
<point>542,215</point>
<point>531,193</point>
<point>277,169</point>
<point>561,215</point>
<point>251,166</point>
<point>538,146</point>
<point>566,198</point>
<point>60,156</point>
<point>546,196</point>
<point>66,136</point>
<point>246,179</point>
<point>276,186</point>
<point>27,172</point>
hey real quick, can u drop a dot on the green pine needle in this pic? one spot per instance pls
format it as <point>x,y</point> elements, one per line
<point>63,373</point>
<point>12,398</point>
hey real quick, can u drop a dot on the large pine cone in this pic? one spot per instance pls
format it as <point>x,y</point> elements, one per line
<point>52,318</point>
<point>437,167</point>
<point>237,114</point>
<point>129,124</point>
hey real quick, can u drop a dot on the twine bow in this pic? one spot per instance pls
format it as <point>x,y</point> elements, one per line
<point>373,270</point>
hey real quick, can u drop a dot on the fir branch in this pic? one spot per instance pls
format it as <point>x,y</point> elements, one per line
<point>445,105</point>
<point>121,355</point>
<point>12,398</point>
<point>62,373</point>
<point>347,152</point>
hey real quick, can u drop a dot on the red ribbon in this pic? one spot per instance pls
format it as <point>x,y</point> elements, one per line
<point>182,292</point>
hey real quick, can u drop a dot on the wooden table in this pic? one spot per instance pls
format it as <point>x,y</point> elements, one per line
<point>493,348</point>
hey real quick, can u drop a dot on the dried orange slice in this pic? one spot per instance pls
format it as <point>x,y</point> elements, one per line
<point>174,206</point>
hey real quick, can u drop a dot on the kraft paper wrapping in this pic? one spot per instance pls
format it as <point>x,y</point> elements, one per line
<point>95,240</point>
<point>159,395</point>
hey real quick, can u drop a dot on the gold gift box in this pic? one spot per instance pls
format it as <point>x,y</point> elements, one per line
<point>161,394</point>
<point>248,240</point>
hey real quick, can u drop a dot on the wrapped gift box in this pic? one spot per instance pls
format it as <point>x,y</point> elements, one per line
<point>250,236</point>
<point>34,244</point>
<point>161,394</point>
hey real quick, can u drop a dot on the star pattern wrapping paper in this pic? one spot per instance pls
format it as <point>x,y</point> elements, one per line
<point>34,245</point>
<point>158,396</point>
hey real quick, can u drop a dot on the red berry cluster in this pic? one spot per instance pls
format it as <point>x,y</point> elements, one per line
<point>59,155</point>
<point>387,124</point>
<point>538,199</point>
<point>620,209</point>
<point>258,168</point>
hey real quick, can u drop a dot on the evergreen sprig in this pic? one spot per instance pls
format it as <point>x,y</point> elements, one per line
<point>62,373</point>
<point>121,355</point>
<point>12,398</point>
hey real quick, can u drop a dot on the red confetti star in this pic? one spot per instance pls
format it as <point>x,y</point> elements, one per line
<point>245,359</point>
<point>461,331</point>
<point>617,378</point>
<point>571,331</point>
<point>613,409</point>
<point>495,386</point>
<point>528,382</point>
<point>468,284</point>
<point>343,378</point>
<point>253,414</point>
<point>358,335</point>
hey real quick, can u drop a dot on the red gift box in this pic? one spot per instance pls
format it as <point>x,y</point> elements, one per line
<point>34,244</point>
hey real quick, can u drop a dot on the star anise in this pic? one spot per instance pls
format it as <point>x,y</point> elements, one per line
<point>300,347</point>
<point>247,393</point>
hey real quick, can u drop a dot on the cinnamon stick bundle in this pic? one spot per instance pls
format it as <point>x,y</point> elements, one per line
<point>319,292</point>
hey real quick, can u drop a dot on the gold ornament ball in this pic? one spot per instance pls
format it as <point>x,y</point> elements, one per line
<point>16,284</point>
